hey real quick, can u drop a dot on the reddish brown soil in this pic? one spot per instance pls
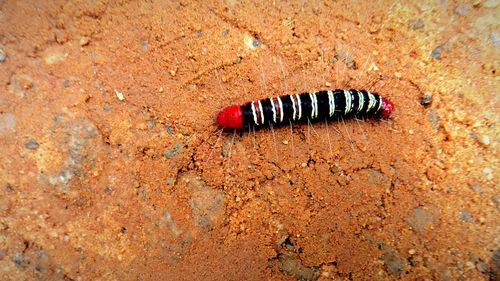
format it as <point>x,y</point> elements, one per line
<point>112,167</point>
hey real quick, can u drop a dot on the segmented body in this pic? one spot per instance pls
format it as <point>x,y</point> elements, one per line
<point>306,106</point>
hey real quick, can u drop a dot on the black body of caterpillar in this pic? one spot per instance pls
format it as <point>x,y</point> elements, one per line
<point>306,106</point>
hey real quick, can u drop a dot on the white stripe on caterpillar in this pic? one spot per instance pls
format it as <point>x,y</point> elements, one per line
<point>331,103</point>
<point>299,103</point>
<point>273,109</point>
<point>361,101</point>
<point>254,114</point>
<point>281,109</point>
<point>261,113</point>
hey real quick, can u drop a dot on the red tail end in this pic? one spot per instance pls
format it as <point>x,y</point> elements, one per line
<point>387,108</point>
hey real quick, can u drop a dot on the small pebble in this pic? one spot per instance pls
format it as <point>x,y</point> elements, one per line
<point>484,140</point>
<point>412,261</point>
<point>3,55</point>
<point>54,55</point>
<point>488,171</point>
<point>169,181</point>
<point>144,44</point>
<point>495,199</point>
<point>373,67</point>
<point>398,74</point>
<point>436,53</point>
<point>465,216</point>
<point>476,187</point>
<point>426,99</point>
<point>494,267</point>
<point>416,24</point>
<point>174,150</point>
<point>251,42</point>
<point>328,84</point>
<point>482,267</point>
<point>7,122</point>
<point>120,96</point>
<point>412,251</point>
<point>285,142</point>
<point>225,32</point>
<point>495,38</point>
<point>303,165</point>
<point>84,41</point>
<point>151,123</point>
<point>31,144</point>
<point>172,72</point>
<point>256,42</point>
<point>434,118</point>
<point>463,9</point>
<point>66,84</point>
<point>168,129</point>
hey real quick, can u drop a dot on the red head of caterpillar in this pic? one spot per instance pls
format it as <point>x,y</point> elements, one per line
<point>230,117</point>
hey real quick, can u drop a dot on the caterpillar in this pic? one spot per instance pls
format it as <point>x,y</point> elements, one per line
<point>305,106</point>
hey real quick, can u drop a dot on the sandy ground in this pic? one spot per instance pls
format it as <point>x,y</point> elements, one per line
<point>112,167</point>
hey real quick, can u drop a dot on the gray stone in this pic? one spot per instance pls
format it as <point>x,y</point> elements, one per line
<point>256,42</point>
<point>420,218</point>
<point>434,118</point>
<point>169,181</point>
<point>476,187</point>
<point>393,263</point>
<point>3,55</point>
<point>207,204</point>
<point>343,55</point>
<point>7,122</point>
<point>495,266</point>
<point>294,266</point>
<point>426,99</point>
<point>174,150</point>
<point>168,129</point>
<point>31,144</point>
<point>144,45</point>
<point>495,199</point>
<point>416,24</point>
<point>463,9</point>
<point>495,38</point>
<point>436,53</point>
<point>465,216</point>
<point>19,261</point>
<point>482,267</point>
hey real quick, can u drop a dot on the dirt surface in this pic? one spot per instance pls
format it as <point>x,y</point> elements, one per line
<point>112,167</point>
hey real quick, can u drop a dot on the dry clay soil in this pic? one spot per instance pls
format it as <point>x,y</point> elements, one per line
<point>112,168</point>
